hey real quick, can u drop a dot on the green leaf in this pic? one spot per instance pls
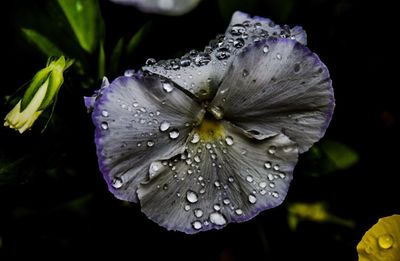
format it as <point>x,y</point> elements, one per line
<point>136,39</point>
<point>102,62</point>
<point>42,43</point>
<point>340,154</point>
<point>116,57</point>
<point>85,19</point>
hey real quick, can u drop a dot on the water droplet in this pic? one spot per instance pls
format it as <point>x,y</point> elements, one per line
<point>202,59</point>
<point>217,219</point>
<point>197,225</point>
<point>249,178</point>
<point>186,207</point>
<point>296,67</point>
<point>263,192</point>
<point>195,138</point>
<point>191,196</point>
<point>104,125</point>
<point>217,207</point>
<point>272,150</point>
<point>150,61</point>
<point>229,140</point>
<point>230,179</point>
<point>266,49</point>
<point>217,184</point>
<point>202,191</point>
<point>385,241</point>
<point>252,199</point>
<point>238,29</point>
<point>276,167</point>
<point>164,126</point>
<point>238,211</point>
<point>222,54</point>
<point>198,213</point>
<point>217,112</point>
<point>238,43</point>
<point>270,177</point>
<point>279,56</point>
<point>155,168</point>
<point>185,62</point>
<point>282,175</point>
<point>105,113</point>
<point>150,143</point>
<point>275,194</point>
<point>267,165</point>
<point>272,184</point>
<point>116,183</point>
<point>262,184</point>
<point>226,201</point>
<point>245,73</point>
<point>167,87</point>
<point>173,134</point>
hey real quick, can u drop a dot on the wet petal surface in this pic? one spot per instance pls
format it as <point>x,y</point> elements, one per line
<point>200,72</point>
<point>137,121</point>
<point>166,7</point>
<point>216,182</point>
<point>282,87</point>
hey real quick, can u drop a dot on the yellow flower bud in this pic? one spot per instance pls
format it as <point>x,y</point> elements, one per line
<point>38,96</point>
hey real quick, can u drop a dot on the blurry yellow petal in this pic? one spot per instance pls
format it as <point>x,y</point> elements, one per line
<point>382,241</point>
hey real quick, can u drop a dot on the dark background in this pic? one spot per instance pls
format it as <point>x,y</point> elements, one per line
<point>55,204</point>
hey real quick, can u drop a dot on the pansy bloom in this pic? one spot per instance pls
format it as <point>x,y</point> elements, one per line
<point>213,137</point>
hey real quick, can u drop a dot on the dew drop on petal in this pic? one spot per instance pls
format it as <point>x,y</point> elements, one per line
<point>272,184</point>
<point>230,179</point>
<point>217,184</point>
<point>104,113</point>
<point>276,167</point>
<point>385,241</point>
<point>104,125</point>
<point>279,56</point>
<point>155,168</point>
<point>229,140</point>
<point>150,143</point>
<point>116,182</point>
<point>191,196</point>
<point>238,43</point>
<point>197,159</point>
<point>272,150</point>
<point>164,126</point>
<point>165,187</point>
<point>173,134</point>
<point>238,29</point>
<point>249,178</point>
<point>245,73</point>
<point>252,199</point>
<point>238,211</point>
<point>186,207</point>
<point>267,165</point>
<point>275,194</point>
<point>197,225</point>
<point>262,184</point>
<point>198,213</point>
<point>217,207</point>
<point>150,61</point>
<point>266,49</point>
<point>217,219</point>
<point>167,87</point>
<point>195,138</point>
<point>226,201</point>
<point>222,54</point>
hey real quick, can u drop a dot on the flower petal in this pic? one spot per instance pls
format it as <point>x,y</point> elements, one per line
<point>214,183</point>
<point>139,120</point>
<point>282,87</point>
<point>166,7</point>
<point>201,72</point>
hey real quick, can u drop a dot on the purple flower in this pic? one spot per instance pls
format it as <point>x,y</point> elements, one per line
<point>213,137</point>
<point>166,7</point>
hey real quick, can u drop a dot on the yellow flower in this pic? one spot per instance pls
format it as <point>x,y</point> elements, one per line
<point>382,241</point>
<point>39,95</point>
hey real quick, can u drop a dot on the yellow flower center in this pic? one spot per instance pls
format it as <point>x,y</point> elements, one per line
<point>210,130</point>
